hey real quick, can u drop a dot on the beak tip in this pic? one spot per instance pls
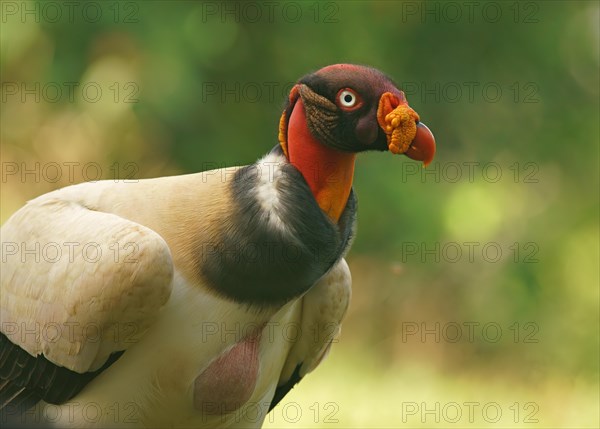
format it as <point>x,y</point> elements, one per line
<point>422,147</point>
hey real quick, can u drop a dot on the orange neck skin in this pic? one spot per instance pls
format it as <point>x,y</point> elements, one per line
<point>327,171</point>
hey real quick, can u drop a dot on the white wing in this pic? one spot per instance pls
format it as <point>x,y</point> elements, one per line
<point>77,284</point>
<point>323,309</point>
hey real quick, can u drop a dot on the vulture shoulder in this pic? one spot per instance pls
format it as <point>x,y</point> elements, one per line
<point>78,287</point>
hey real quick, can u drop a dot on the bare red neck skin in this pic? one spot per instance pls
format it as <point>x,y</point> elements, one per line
<point>327,171</point>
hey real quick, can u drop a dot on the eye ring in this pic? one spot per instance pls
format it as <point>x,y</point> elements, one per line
<point>348,99</point>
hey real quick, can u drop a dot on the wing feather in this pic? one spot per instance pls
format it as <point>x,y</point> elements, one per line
<point>75,285</point>
<point>323,309</point>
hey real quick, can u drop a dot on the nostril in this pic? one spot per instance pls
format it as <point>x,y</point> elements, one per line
<point>401,97</point>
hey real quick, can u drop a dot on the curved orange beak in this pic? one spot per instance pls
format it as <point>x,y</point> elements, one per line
<point>405,133</point>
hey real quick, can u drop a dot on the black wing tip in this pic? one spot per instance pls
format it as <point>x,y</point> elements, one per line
<point>27,379</point>
<point>284,389</point>
<point>13,409</point>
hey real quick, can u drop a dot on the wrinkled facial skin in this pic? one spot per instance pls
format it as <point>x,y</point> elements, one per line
<point>355,129</point>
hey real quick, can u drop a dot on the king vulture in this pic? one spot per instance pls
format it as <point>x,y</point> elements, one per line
<point>197,300</point>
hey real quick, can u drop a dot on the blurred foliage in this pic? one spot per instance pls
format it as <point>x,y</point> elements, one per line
<point>201,89</point>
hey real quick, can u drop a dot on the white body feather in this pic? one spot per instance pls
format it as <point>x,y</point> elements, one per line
<point>156,308</point>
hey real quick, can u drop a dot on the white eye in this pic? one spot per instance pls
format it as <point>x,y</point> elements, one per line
<point>347,98</point>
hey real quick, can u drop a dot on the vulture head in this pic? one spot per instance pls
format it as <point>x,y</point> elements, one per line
<point>341,110</point>
<point>354,108</point>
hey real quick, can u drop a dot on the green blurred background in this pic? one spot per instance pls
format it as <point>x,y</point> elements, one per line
<point>511,93</point>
